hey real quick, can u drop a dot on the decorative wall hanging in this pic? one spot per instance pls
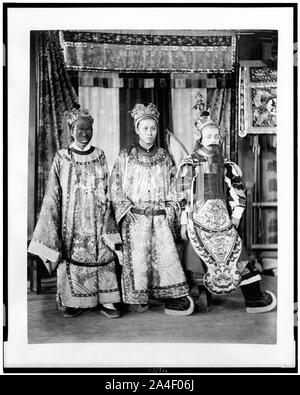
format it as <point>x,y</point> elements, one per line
<point>257,99</point>
<point>100,51</point>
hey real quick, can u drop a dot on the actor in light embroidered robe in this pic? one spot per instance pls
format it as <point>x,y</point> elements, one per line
<point>76,231</point>
<point>141,187</point>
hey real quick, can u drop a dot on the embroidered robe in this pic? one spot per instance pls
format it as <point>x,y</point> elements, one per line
<point>213,193</point>
<point>151,266</point>
<point>76,231</point>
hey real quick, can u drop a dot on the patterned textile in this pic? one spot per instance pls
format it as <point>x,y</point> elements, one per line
<point>196,269</point>
<point>257,99</point>
<point>151,266</point>
<point>76,230</point>
<point>165,53</point>
<point>56,95</point>
<point>207,185</point>
<point>147,39</point>
<point>262,74</point>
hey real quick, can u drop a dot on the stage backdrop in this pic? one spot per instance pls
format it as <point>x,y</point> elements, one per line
<point>117,69</point>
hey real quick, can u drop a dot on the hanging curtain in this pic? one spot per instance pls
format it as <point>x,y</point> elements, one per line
<point>99,93</point>
<point>215,90</point>
<point>134,92</point>
<point>55,96</point>
<point>219,103</point>
<point>182,106</point>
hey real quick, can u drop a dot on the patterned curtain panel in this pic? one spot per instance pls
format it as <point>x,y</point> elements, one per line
<point>55,95</point>
<point>210,51</point>
<point>219,103</point>
<point>99,93</point>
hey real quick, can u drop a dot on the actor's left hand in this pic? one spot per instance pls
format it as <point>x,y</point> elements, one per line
<point>235,221</point>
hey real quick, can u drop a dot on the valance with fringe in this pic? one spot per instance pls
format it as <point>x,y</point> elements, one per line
<point>93,51</point>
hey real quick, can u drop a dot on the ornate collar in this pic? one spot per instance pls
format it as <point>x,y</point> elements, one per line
<point>148,150</point>
<point>87,152</point>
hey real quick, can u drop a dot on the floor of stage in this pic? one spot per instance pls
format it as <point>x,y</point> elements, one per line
<point>225,322</point>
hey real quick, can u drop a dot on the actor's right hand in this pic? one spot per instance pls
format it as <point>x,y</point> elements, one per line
<point>130,216</point>
<point>183,232</point>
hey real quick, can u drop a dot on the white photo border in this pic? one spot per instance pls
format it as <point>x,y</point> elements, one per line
<point>17,352</point>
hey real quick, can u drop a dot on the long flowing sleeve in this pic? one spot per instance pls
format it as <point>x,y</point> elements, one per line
<point>111,233</point>
<point>117,188</point>
<point>236,195</point>
<point>47,241</point>
<point>173,207</point>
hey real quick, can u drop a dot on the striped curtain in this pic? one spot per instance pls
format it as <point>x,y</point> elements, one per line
<point>219,103</point>
<point>99,93</point>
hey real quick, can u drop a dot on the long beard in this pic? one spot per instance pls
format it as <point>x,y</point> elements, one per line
<point>217,156</point>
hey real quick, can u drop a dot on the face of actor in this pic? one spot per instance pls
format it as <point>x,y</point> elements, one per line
<point>147,131</point>
<point>211,138</point>
<point>82,132</point>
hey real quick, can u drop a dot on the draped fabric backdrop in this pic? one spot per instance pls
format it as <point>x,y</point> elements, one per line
<point>55,96</point>
<point>99,93</point>
<point>182,105</point>
<point>165,67</point>
<point>157,93</point>
<point>150,51</point>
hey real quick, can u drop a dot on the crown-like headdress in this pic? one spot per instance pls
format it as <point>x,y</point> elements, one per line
<point>202,118</point>
<point>77,113</point>
<point>140,112</point>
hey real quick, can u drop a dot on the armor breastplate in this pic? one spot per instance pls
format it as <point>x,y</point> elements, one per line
<point>209,180</point>
<point>213,237</point>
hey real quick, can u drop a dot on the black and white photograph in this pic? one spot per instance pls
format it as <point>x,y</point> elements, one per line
<point>150,210</point>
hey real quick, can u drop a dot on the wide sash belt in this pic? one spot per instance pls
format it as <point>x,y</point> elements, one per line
<point>90,264</point>
<point>148,211</point>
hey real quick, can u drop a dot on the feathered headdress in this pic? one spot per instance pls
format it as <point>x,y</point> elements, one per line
<point>202,118</point>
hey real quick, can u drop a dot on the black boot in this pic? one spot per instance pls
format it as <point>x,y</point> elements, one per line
<point>257,301</point>
<point>179,306</point>
<point>72,312</point>
<point>203,301</point>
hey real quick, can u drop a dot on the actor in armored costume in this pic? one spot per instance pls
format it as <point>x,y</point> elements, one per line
<point>214,201</point>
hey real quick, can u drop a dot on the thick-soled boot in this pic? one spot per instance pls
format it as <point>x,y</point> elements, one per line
<point>257,301</point>
<point>72,312</point>
<point>109,310</point>
<point>138,308</point>
<point>179,306</point>
<point>203,301</point>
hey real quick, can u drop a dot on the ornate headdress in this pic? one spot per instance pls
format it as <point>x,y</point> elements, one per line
<point>140,112</point>
<point>202,118</point>
<point>77,113</point>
